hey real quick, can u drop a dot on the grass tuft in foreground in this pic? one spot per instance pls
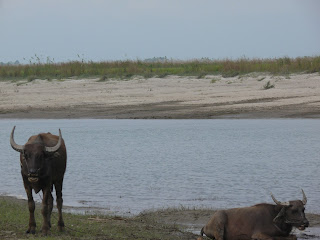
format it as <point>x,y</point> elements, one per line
<point>127,69</point>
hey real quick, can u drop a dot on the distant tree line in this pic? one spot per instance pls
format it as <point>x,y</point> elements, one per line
<point>9,63</point>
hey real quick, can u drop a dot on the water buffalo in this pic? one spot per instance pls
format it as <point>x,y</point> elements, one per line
<point>262,221</point>
<point>43,161</point>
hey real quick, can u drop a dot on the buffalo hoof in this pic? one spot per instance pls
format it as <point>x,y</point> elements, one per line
<point>61,226</point>
<point>45,231</point>
<point>30,231</point>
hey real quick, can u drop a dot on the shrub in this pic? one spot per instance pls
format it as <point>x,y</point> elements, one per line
<point>268,85</point>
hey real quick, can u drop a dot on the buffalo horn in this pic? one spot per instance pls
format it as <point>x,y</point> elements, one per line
<point>18,148</point>
<point>278,202</point>
<point>304,200</point>
<point>57,146</point>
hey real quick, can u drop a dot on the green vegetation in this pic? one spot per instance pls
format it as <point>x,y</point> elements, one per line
<point>260,79</point>
<point>128,69</point>
<point>14,221</point>
<point>201,75</point>
<point>268,85</point>
<point>214,80</point>
<point>103,78</point>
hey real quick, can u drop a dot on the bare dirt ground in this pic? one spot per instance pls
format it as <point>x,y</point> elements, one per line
<point>294,96</point>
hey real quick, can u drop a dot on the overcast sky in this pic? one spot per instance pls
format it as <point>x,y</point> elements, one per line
<point>100,30</point>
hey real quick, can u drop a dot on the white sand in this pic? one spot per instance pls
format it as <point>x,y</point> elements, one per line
<point>170,97</point>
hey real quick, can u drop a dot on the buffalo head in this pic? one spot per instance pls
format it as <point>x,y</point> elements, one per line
<point>33,156</point>
<point>292,212</point>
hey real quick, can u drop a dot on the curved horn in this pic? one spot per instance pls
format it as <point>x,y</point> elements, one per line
<point>18,148</point>
<point>57,146</point>
<point>304,200</point>
<point>278,202</point>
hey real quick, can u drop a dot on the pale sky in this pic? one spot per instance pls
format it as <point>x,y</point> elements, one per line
<point>100,30</point>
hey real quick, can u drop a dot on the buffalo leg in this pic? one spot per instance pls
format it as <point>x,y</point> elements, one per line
<point>215,227</point>
<point>32,206</point>
<point>291,237</point>
<point>261,236</point>
<point>45,210</point>
<point>50,207</point>
<point>58,188</point>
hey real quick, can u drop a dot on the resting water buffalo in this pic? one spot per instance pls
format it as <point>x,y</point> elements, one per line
<point>261,221</point>
<point>43,162</point>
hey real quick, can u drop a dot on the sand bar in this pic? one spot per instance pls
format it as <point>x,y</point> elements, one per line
<point>177,97</point>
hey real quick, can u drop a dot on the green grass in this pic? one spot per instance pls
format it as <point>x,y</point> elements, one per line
<point>260,79</point>
<point>103,79</point>
<point>127,69</point>
<point>214,80</point>
<point>14,221</point>
<point>268,85</point>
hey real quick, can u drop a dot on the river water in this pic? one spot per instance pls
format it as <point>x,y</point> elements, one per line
<point>128,166</point>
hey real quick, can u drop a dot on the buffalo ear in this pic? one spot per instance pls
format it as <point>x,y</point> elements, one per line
<point>280,215</point>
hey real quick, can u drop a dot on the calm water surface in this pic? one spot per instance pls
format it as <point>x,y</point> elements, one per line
<point>127,166</point>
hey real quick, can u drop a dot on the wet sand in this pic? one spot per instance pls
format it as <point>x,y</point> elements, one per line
<point>294,96</point>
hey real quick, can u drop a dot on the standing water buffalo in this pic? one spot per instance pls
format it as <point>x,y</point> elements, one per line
<point>43,162</point>
<point>261,221</point>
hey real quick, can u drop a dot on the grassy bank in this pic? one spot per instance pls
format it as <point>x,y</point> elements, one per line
<point>128,69</point>
<point>161,224</point>
<point>14,217</point>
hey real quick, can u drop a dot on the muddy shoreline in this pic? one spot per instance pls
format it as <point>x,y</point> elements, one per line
<point>173,97</point>
<point>191,220</point>
<point>181,216</point>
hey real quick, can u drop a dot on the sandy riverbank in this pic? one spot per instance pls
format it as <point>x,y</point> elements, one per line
<point>294,96</point>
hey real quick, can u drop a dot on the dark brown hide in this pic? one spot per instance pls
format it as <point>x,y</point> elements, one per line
<point>43,162</point>
<point>261,221</point>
